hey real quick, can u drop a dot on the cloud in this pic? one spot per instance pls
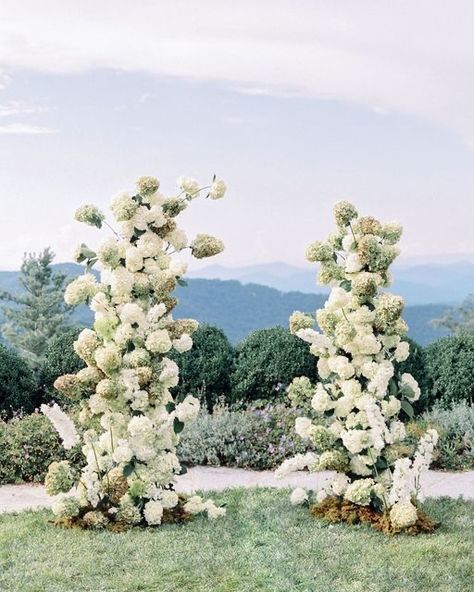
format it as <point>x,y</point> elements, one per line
<point>411,57</point>
<point>19,108</point>
<point>25,129</point>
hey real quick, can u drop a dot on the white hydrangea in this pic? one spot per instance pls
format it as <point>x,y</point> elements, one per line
<point>133,259</point>
<point>411,389</point>
<point>132,314</point>
<point>177,239</point>
<point>188,409</point>
<point>153,512</point>
<point>194,505</point>
<point>123,207</point>
<point>403,515</point>
<point>149,244</point>
<point>81,289</point>
<point>338,298</point>
<point>356,440</point>
<point>183,343</point>
<point>339,484</point>
<point>298,496</point>
<point>122,452</point>
<point>168,499</point>
<point>344,406</point>
<point>321,400</point>
<point>303,427</point>
<point>402,352</point>
<point>178,268</point>
<point>341,365</point>
<point>158,341</point>
<point>218,189</point>
<point>121,282</point>
<point>296,463</point>
<point>379,383</point>
<point>189,186</point>
<point>353,264</point>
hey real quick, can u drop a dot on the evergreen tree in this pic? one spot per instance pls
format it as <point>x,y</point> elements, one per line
<point>459,319</point>
<point>37,313</point>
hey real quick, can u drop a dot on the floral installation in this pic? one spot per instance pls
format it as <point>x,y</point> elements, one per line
<point>353,414</point>
<point>129,423</point>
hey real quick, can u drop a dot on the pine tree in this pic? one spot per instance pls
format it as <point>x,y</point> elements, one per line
<point>37,313</point>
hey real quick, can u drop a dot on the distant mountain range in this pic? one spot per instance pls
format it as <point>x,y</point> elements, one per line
<point>432,283</point>
<point>240,308</point>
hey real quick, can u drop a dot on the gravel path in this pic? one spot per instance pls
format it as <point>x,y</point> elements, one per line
<point>434,484</point>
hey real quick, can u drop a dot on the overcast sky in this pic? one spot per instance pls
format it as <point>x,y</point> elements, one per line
<point>296,104</point>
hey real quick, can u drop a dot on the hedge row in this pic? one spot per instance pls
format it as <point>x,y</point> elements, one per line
<point>259,369</point>
<point>253,438</point>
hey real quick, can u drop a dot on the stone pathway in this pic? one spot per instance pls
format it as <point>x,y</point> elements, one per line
<point>434,484</point>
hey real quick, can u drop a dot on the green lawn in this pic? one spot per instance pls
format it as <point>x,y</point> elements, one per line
<point>262,544</point>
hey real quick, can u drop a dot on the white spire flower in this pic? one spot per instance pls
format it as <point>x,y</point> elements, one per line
<point>62,424</point>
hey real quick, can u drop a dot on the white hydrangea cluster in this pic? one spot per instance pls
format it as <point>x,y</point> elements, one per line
<point>353,426</point>
<point>130,421</point>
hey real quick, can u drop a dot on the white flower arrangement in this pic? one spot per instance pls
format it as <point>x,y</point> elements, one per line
<point>130,422</point>
<point>360,393</point>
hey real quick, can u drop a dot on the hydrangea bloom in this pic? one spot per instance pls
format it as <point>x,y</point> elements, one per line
<point>129,421</point>
<point>353,425</point>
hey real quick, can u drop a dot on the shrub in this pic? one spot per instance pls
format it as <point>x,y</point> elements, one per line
<point>205,369</point>
<point>27,446</point>
<point>253,438</point>
<point>416,366</point>
<point>59,358</point>
<point>455,425</point>
<point>450,365</point>
<point>266,363</point>
<point>17,382</point>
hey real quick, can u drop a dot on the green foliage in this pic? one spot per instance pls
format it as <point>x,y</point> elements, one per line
<point>205,369</point>
<point>257,438</point>
<point>459,319</point>
<point>17,382</point>
<point>27,446</point>
<point>251,438</point>
<point>59,358</point>
<point>266,363</point>
<point>450,365</point>
<point>36,314</point>
<point>455,425</point>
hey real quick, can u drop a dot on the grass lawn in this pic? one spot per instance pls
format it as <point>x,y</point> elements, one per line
<point>262,544</point>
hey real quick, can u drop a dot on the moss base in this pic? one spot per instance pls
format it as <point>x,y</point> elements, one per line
<point>335,510</point>
<point>103,519</point>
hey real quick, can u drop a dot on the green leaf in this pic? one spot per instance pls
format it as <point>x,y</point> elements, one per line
<point>170,407</point>
<point>128,469</point>
<point>346,284</point>
<point>88,253</point>
<point>392,387</point>
<point>177,426</point>
<point>90,264</point>
<point>183,470</point>
<point>408,409</point>
<point>182,283</point>
<point>381,463</point>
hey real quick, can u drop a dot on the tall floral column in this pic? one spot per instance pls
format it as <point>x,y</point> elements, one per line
<point>354,414</point>
<point>129,422</point>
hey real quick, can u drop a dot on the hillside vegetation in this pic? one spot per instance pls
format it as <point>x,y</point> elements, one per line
<point>239,309</point>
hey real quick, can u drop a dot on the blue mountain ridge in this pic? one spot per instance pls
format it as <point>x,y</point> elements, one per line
<point>240,308</point>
